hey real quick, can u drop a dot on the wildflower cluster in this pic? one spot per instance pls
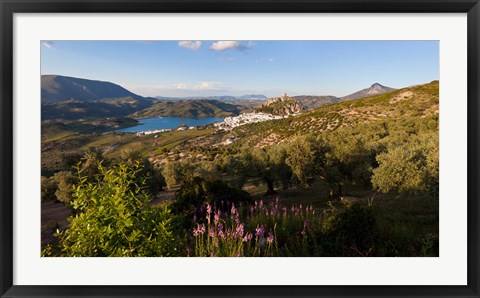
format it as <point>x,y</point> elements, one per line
<point>259,229</point>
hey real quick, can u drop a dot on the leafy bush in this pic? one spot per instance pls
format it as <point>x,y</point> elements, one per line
<point>349,232</point>
<point>49,187</point>
<point>408,168</point>
<point>176,173</point>
<point>198,192</point>
<point>115,218</point>
<point>154,181</point>
<point>64,181</point>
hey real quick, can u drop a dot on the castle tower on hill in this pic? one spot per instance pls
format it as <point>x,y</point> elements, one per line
<point>284,96</point>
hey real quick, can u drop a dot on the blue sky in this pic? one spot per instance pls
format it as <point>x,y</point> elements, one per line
<point>208,68</point>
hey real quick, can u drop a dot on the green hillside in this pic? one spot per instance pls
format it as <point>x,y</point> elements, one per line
<point>57,88</point>
<point>76,110</point>
<point>417,103</point>
<point>189,109</point>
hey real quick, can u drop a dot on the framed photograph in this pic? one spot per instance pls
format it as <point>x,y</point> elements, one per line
<point>239,148</point>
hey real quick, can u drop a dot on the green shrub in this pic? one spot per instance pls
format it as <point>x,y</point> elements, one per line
<point>64,181</point>
<point>114,217</point>
<point>349,232</point>
<point>198,191</point>
<point>49,187</point>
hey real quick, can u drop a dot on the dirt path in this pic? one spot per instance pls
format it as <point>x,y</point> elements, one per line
<point>54,216</point>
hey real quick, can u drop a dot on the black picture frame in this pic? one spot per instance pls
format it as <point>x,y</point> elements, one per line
<point>9,7</point>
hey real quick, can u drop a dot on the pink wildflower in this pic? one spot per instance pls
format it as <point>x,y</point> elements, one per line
<point>239,231</point>
<point>259,231</point>
<point>270,237</point>
<point>247,237</point>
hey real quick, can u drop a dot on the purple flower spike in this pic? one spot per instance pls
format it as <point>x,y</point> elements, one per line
<point>305,226</point>
<point>239,231</point>
<point>233,211</point>
<point>261,203</point>
<point>209,209</point>
<point>201,228</point>
<point>270,237</point>
<point>247,237</point>
<point>222,234</point>
<point>211,232</point>
<point>259,231</point>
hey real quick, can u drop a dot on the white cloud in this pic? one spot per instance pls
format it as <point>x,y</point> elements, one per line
<point>179,89</point>
<point>270,59</point>
<point>197,86</point>
<point>181,86</point>
<point>48,44</point>
<point>206,86</point>
<point>190,44</point>
<point>250,44</point>
<point>222,45</point>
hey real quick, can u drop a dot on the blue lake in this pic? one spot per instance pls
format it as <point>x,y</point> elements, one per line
<point>168,122</point>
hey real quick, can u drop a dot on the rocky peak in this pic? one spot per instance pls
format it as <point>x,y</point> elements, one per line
<point>283,105</point>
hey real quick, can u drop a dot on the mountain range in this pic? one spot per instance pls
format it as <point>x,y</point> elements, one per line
<point>72,98</point>
<point>189,109</point>
<point>286,105</point>
<point>375,89</point>
<point>220,97</point>
<point>57,88</point>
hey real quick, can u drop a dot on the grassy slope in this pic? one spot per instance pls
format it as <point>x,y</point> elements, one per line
<point>413,102</point>
<point>189,109</point>
<point>75,110</point>
<point>67,143</point>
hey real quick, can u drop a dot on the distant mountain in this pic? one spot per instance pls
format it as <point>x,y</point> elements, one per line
<point>253,96</point>
<point>308,102</point>
<point>375,89</point>
<point>73,98</point>
<point>57,88</point>
<point>220,97</point>
<point>189,109</point>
